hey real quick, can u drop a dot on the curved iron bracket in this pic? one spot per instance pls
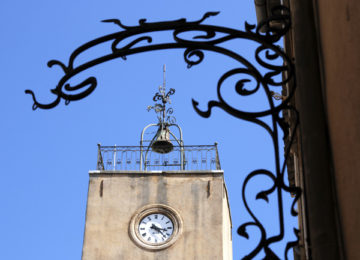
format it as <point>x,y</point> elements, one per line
<point>206,39</point>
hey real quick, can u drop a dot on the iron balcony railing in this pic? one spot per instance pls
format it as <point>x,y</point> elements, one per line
<point>141,158</point>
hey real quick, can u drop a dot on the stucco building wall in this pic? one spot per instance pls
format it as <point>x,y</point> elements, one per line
<point>339,33</point>
<point>324,42</point>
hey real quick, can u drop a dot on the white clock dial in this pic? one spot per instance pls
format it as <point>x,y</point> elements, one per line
<point>155,228</point>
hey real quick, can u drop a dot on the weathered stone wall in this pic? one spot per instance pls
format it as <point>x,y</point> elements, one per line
<point>227,226</point>
<point>114,197</point>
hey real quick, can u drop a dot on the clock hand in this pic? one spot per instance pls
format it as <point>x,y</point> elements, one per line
<point>154,227</point>
<point>161,233</point>
<point>158,229</point>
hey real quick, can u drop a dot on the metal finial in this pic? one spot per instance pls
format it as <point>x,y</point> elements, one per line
<point>161,99</point>
<point>164,74</point>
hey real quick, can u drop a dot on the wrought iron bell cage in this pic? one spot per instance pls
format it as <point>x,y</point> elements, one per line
<point>144,150</point>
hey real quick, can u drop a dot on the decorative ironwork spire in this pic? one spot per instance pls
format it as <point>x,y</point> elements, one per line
<point>162,98</point>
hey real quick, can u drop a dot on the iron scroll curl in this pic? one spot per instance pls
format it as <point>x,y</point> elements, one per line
<point>206,39</point>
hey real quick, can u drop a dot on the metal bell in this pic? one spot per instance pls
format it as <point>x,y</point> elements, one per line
<point>162,142</point>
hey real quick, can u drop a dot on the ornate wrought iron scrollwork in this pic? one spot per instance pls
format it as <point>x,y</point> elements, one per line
<point>207,39</point>
<point>164,115</point>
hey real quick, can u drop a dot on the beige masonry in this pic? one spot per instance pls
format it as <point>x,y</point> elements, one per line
<point>199,197</point>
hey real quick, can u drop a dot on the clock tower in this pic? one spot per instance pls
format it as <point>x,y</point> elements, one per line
<point>159,200</point>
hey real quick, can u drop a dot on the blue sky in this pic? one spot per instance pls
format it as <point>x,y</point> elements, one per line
<point>46,154</point>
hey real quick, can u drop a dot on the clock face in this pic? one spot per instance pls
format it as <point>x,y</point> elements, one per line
<point>155,228</point>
